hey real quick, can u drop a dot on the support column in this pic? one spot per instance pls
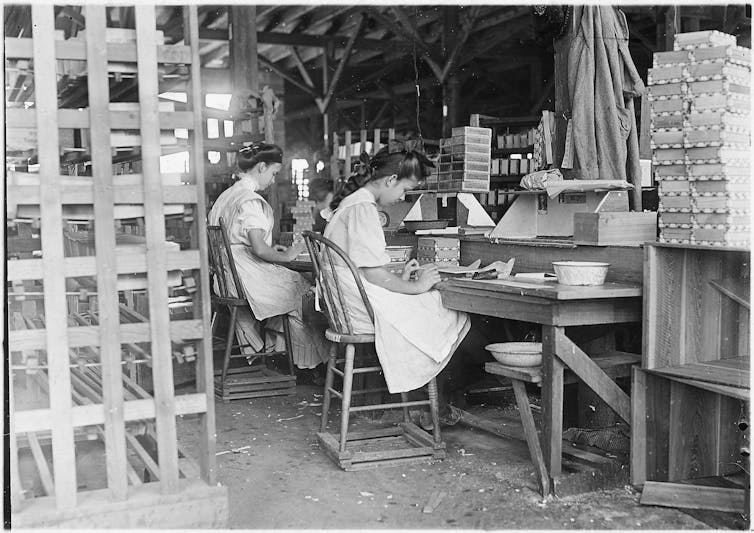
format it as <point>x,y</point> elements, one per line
<point>451,85</point>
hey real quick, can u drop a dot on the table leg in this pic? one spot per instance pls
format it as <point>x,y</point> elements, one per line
<point>552,401</point>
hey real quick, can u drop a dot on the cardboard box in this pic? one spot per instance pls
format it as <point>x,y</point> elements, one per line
<point>622,228</point>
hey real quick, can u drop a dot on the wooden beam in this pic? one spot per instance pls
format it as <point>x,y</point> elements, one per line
<point>104,239</point>
<point>63,456</point>
<point>159,318</point>
<point>460,41</point>
<point>301,85</point>
<point>325,102</point>
<point>672,25</point>
<point>244,66</point>
<point>688,496</point>
<point>301,67</point>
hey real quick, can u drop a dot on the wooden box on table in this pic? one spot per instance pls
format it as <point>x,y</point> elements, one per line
<point>690,398</point>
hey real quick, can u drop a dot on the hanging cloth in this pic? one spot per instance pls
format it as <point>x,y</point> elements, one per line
<point>602,83</point>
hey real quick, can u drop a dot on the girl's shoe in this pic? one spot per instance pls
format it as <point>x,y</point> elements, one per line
<point>448,417</point>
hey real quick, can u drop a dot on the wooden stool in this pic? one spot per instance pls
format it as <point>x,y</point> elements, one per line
<point>253,381</point>
<point>405,443</point>
<point>614,363</point>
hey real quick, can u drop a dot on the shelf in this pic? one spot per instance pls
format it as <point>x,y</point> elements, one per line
<point>730,372</point>
<point>506,151</point>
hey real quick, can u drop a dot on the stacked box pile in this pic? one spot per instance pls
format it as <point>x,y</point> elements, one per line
<point>465,160</point>
<point>699,97</point>
<point>399,256</point>
<point>304,219</point>
<point>443,251</point>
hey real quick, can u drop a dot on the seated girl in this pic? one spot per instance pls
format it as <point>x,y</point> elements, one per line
<point>415,335</point>
<point>270,288</point>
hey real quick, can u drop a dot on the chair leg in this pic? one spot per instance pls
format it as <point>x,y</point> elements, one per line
<point>229,341</point>
<point>288,343</point>
<point>406,416</point>
<point>213,324</point>
<point>329,379</point>
<point>530,432</point>
<point>346,403</point>
<point>434,410</point>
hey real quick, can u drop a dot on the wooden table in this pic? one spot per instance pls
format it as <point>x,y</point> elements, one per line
<point>555,307</point>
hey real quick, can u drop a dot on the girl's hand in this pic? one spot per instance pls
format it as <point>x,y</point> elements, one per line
<point>293,252</point>
<point>409,268</point>
<point>279,248</point>
<point>428,277</point>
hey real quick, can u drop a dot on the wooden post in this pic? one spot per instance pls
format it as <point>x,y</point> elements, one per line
<point>159,318</point>
<point>562,98</point>
<point>672,25</point>
<point>244,64</point>
<point>450,85</point>
<point>104,238</point>
<point>56,330</point>
<point>204,363</point>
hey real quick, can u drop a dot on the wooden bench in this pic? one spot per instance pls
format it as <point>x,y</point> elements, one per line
<point>614,364</point>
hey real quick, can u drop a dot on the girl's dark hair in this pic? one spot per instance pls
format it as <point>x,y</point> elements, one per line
<point>250,156</point>
<point>402,163</point>
<point>319,188</point>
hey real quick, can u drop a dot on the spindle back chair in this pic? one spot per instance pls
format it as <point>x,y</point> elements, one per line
<point>228,292</point>
<point>332,270</point>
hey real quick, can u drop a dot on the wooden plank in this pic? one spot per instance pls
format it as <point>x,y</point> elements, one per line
<point>348,141</point>
<point>42,467</point>
<point>592,375</point>
<point>127,263</point>
<point>733,392</point>
<point>686,496</point>
<point>88,415</point>
<point>549,289</point>
<point>45,88</point>
<point>694,431</point>
<point>195,506</point>
<point>104,238</point>
<point>638,427</point>
<point>159,318</point>
<point>737,289</point>
<point>552,400</point>
<point>204,365</point>
<point>532,439</point>
<point>34,339</point>
<point>702,307</point>
<point>76,119</point>
<point>122,194</point>
<point>75,49</point>
<point>719,375</point>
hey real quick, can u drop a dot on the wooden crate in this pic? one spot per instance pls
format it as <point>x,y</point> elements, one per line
<point>255,382</point>
<point>603,229</point>
<point>81,370</point>
<point>690,394</point>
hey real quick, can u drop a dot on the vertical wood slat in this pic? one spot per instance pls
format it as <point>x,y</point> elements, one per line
<point>362,142</point>
<point>334,160</point>
<point>204,363</point>
<point>347,168</point>
<point>159,319</point>
<point>45,88</point>
<point>376,141</point>
<point>104,242</point>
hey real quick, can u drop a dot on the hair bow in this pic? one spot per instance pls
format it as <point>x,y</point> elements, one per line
<point>363,167</point>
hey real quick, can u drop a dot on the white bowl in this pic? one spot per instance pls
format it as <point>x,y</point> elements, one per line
<point>516,353</point>
<point>580,272</point>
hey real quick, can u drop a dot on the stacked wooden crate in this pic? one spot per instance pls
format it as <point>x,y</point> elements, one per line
<point>304,219</point>
<point>442,251</point>
<point>699,97</point>
<point>80,375</point>
<point>465,160</point>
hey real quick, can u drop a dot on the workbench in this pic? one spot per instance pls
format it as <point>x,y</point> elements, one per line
<point>555,307</point>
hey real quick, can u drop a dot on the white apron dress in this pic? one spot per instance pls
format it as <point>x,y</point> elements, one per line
<point>269,288</point>
<point>415,335</point>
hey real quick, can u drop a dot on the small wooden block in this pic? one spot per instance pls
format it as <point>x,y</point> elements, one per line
<point>434,501</point>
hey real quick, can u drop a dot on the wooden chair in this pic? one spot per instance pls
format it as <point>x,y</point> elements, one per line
<point>405,443</point>
<point>255,380</point>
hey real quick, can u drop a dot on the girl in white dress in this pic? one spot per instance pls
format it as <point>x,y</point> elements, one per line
<point>270,288</point>
<point>415,335</point>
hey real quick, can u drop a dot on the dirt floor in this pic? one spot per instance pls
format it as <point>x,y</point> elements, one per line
<point>279,478</point>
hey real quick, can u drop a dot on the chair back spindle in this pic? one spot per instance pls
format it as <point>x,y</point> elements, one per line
<point>323,253</point>
<point>221,262</point>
